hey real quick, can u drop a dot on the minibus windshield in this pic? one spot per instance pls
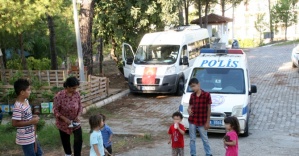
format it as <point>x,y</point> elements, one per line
<point>220,80</point>
<point>157,54</point>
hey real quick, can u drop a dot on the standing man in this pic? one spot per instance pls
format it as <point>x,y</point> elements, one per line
<point>199,116</point>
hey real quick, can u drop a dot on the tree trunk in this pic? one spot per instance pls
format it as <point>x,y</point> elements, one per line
<point>2,68</point>
<point>222,2</point>
<point>206,12</point>
<point>86,20</point>
<point>113,49</point>
<point>53,53</point>
<point>181,16</point>
<point>100,53</point>
<point>186,7</point>
<point>23,59</point>
<point>199,12</point>
<point>271,23</point>
<point>286,31</point>
<point>4,58</point>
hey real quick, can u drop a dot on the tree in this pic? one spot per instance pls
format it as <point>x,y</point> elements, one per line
<point>54,65</point>
<point>187,4</point>
<point>223,3</point>
<point>17,17</point>
<point>283,13</point>
<point>2,74</point>
<point>260,25</point>
<point>86,22</point>
<point>127,21</point>
<point>270,21</point>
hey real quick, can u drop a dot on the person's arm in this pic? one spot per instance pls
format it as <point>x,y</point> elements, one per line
<point>22,123</point>
<point>190,106</point>
<point>209,102</point>
<point>182,131</point>
<point>80,109</point>
<point>169,142</point>
<point>96,149</point>
<point>17,119</point>
<point>231,143</point>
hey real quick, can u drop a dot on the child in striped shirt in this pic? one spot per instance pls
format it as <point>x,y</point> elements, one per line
<point>24,121</point>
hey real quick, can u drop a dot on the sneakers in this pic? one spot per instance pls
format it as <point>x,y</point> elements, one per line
<point>74,124</point>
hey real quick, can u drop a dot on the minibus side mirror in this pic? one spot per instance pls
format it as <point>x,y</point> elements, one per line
<point>130,61</point>
<point>185,61</point>
<point>253,89</point>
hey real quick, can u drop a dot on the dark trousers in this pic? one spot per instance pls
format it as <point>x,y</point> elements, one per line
<point>109,149</point>
<point>65,139</point>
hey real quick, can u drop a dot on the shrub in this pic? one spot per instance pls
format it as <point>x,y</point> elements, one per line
<point>248,43</point>
<point>32,63</point>
<point>14,64</point>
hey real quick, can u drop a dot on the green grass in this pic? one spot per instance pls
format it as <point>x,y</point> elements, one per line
<point>96,111</point>
<point>288,43</point>
<point>48,137</point>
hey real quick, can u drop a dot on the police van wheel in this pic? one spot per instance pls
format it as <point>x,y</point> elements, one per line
<point>180,87</point>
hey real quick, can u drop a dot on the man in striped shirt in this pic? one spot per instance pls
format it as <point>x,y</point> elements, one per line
<point>24,121</point>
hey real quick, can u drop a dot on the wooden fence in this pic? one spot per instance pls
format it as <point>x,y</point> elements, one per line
<point>92,90</point>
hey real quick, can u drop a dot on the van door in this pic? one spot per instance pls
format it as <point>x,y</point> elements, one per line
<point>185,67</point>
<point>128,58</point>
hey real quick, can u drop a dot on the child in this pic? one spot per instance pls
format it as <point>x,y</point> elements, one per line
<point>199,111</point>
<point>96,139</point>
<point>107,136</point>
<point>231,139</point>
<point>176,133</point>
<point>23,120</point>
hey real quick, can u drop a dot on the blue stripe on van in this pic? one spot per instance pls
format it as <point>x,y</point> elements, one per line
<point>181,108</point>
<point>245,110</point>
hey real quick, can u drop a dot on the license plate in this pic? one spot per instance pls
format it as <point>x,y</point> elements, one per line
<point>216,122</point>
<point>148,88</point>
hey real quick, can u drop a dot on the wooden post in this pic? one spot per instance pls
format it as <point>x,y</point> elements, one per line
<point>48,77</point>
<point>39,76</point>
<point>56,76</point>
<point>107,86</point>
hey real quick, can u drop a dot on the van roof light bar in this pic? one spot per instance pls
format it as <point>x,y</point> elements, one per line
<point>221,51</point>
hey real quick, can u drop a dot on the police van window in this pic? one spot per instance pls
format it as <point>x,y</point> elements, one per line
<point>219,80</point>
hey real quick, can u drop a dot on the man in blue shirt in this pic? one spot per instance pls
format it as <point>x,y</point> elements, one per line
<point>107,135</point>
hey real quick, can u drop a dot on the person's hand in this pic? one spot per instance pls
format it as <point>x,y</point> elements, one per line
<point>207,125</point>
<point>109,141</point>
<point>190,111</point>
<point>77,119</point>
<point>35,120</point>
<point>68,121</point>
<point>169,142</point>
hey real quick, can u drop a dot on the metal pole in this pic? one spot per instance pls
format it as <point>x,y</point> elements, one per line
<point>233,23</point>
<point>78,39</point>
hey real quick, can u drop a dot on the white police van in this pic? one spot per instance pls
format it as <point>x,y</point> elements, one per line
<point>163,59</point>
<point>223,73</point>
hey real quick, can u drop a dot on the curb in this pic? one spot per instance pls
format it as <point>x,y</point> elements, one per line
<point>107,100</point>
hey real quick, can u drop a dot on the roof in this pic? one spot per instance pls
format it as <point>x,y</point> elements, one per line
<point>175,37</point>
<point>213,19</point>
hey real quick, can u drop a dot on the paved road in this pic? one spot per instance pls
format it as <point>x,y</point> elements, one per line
<point>274,128</point>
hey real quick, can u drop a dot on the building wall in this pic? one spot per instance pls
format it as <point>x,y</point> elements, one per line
<point>245,17</point>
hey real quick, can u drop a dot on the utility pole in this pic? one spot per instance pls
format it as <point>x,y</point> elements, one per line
<point>233,23</point>
<point>78,40</point>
